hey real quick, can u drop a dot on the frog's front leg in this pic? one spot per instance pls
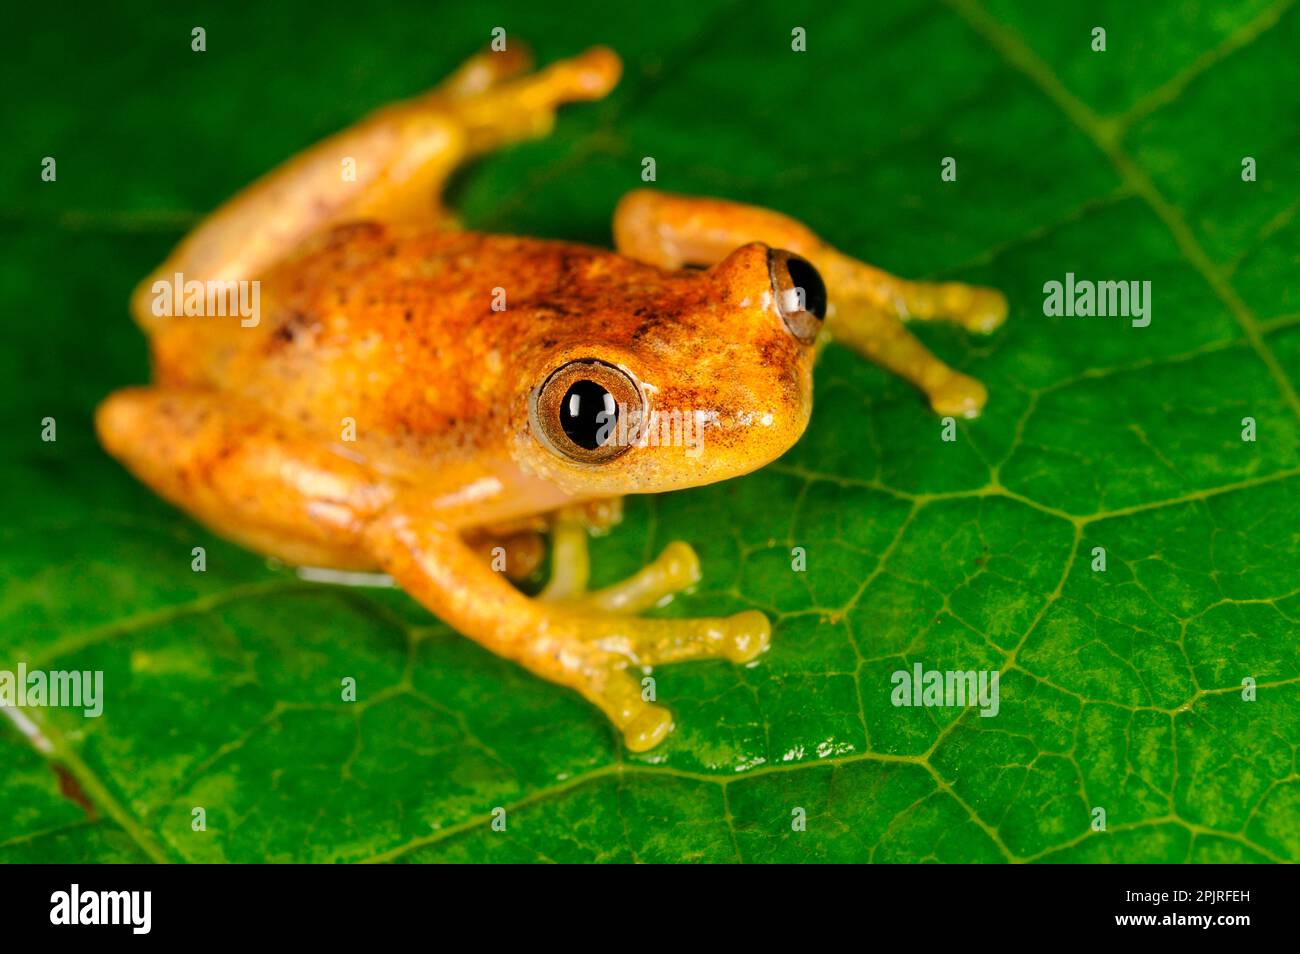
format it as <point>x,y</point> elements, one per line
<point>578,644</point>
<point>866,306</point>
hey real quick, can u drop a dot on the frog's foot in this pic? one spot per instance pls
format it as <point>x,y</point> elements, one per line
<point>524,107</point>
<point>608,658</point>
<point>486,69</point>
<point>612,644</point>
<point>867,312</point>
<point>675,569</point>
<point>867,309</point>
<point>575,641</point>
<point>879,336</point>
<point>974,307</point>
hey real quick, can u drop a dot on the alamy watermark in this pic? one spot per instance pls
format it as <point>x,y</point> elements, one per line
<point>129,908</point>
<point>947,688</point>
<point>1086,299</point>
<point>212,299</point>
<point>61,689</point>
<point>669,427</point>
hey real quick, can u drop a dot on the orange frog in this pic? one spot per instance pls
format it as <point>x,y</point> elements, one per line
<point>411,397</point>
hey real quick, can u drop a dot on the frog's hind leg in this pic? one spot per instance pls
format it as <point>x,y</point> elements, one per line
<point>866,306</point>
<point>390,167</point>
<point>244,475</point>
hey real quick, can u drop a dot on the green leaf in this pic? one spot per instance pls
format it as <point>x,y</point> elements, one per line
<point>1120,690</point>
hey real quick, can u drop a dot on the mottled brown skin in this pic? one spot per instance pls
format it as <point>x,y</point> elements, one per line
<point>376,310</point>
<point>397,330</point>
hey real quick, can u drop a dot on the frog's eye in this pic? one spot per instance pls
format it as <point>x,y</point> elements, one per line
<point>800,293</point>
<point>577,411</point>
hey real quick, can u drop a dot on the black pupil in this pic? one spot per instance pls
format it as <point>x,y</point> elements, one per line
<point>805,277</point>
<point>588,414</point>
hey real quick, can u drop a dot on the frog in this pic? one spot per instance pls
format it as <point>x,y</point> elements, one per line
<point>428,402</point>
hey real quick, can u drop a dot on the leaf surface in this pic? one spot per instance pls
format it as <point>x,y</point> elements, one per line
<point>1120,690</point>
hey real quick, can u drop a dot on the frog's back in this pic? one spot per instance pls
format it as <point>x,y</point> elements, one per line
<point>411,333</point>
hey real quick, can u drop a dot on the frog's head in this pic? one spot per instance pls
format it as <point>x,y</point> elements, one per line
<point>695,377</point>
